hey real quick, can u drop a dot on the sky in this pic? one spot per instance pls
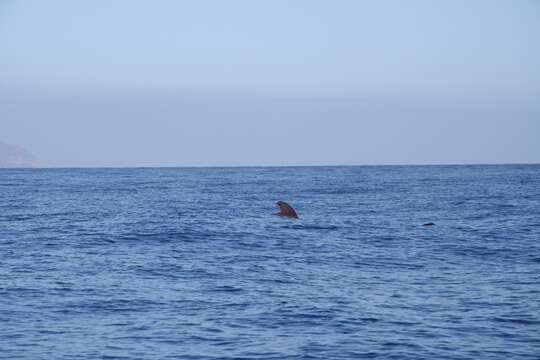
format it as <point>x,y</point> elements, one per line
<point>242,83</point>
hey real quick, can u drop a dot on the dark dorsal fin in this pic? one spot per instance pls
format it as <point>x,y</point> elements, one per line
<point>286,210</point>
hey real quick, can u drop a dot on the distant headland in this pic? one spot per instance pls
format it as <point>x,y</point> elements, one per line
<point>13,156</point>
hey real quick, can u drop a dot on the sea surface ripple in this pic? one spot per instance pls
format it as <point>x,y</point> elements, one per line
<point>188,263</point>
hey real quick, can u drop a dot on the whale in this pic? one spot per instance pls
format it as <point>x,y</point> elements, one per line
<point>286,210</point>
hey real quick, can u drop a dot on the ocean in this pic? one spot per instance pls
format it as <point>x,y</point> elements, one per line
<point>189,263</point>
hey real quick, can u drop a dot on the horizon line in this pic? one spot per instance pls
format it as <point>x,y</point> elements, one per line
<point>264,166</point>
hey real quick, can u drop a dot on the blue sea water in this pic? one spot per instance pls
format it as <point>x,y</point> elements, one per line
<point>188,263</point>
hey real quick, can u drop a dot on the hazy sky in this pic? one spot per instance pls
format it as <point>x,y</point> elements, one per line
<point>172,83</point>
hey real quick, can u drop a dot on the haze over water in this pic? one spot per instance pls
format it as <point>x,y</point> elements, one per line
<point>124,83</point>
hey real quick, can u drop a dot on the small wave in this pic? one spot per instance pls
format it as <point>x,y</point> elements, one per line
<point>358,321</point>
<point>517,321</point>
<point>387,264</point>
<point>311,227</point>
<point>17,217</point>
<point>114,357</point>
<point>168,236</point>
<point>404,323</point>
<point>401,344</point>
<point>115,306</point>
<point>24,217</point>
<point>227,288</point>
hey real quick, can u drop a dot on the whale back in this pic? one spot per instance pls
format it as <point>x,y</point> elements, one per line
<point>286,210</point>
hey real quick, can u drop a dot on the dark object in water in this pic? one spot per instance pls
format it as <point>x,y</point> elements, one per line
<point>428,224</point>
<point>286,210</point>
